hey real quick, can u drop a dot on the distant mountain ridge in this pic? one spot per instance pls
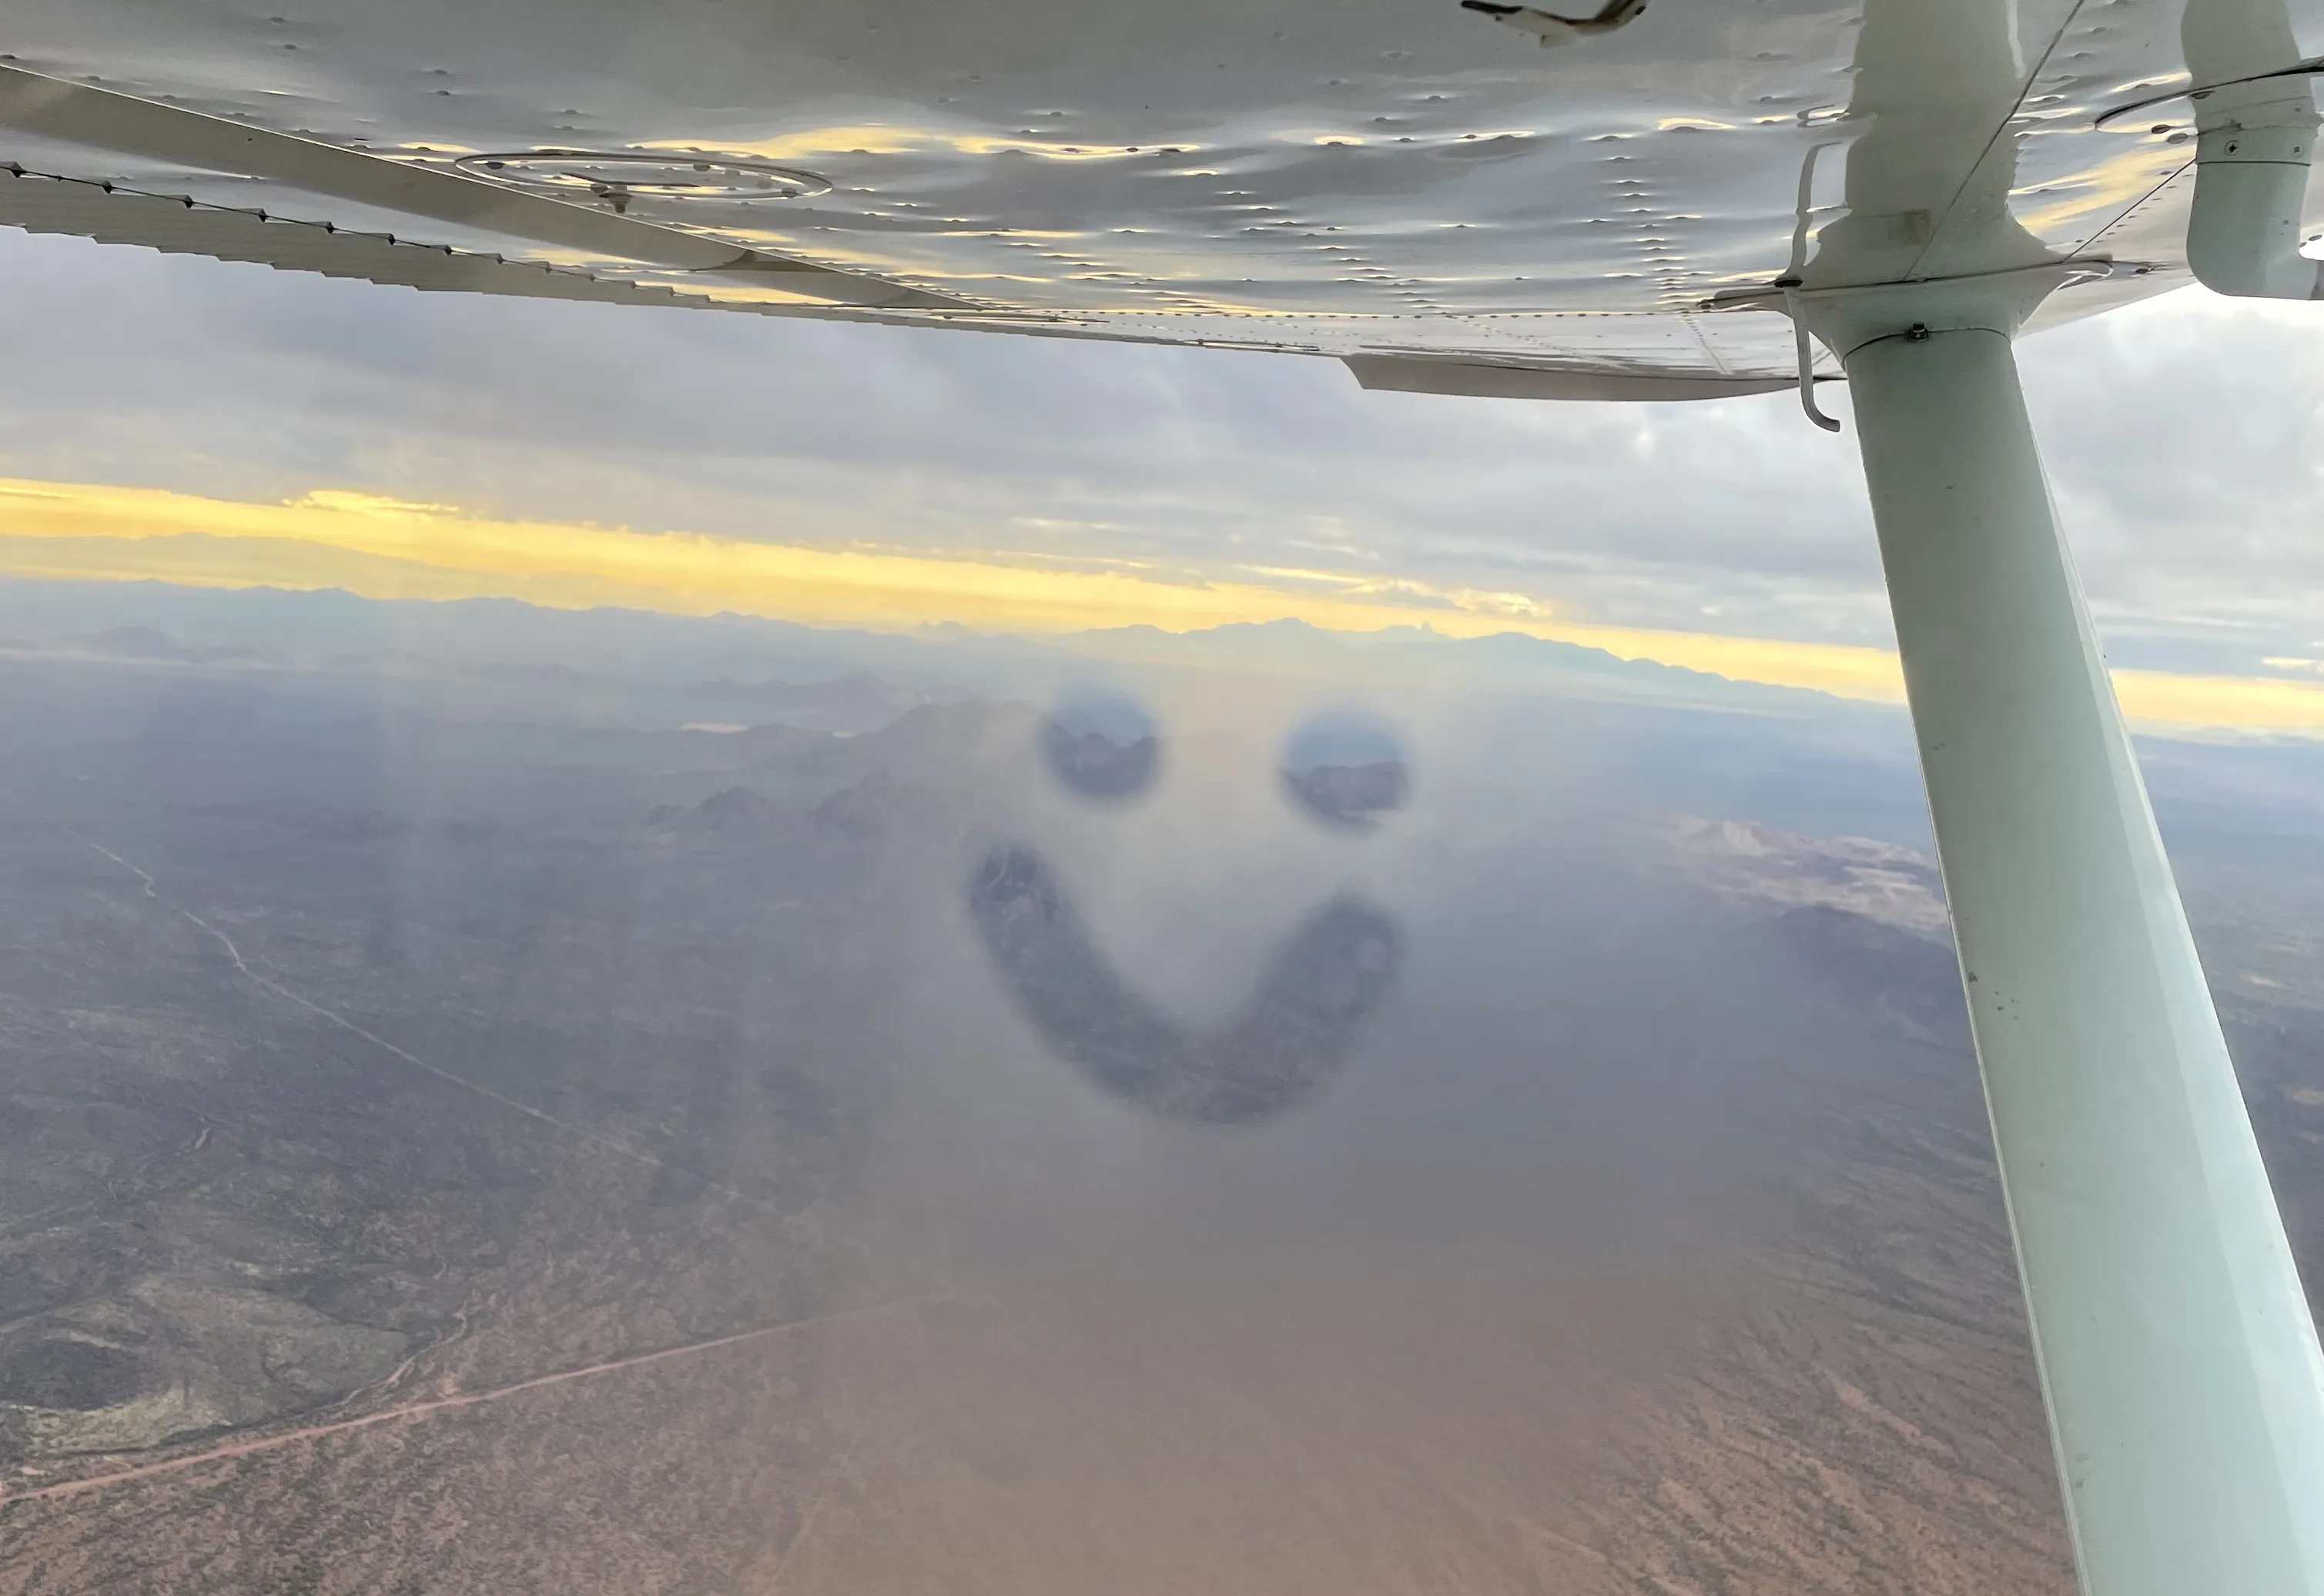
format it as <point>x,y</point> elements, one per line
<point>726,652</point>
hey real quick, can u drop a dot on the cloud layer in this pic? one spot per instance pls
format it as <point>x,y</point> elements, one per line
<point>2183,438</point>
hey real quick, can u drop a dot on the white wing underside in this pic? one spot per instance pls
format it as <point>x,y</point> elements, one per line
<point>1411,187</point>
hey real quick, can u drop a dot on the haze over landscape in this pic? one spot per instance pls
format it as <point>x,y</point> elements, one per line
<point>469,1131</point>
<point>639,954</point>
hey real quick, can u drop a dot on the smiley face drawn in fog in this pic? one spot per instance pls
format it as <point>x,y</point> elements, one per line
<point>1302,1019</point>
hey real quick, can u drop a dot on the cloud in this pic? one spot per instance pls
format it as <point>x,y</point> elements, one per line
<point>239,381</point>
<point>2183,437</point>
<point>384,548</point>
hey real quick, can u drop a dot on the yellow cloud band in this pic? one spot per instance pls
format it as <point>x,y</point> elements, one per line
<point>388,548</point>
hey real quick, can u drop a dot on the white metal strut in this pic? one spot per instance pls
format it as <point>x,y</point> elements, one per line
<point>2177,1355</point>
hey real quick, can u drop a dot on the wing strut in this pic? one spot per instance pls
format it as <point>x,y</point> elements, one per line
<point>2185,1389</point>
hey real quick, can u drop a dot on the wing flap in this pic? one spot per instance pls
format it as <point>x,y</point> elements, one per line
<point>108,215</point>
<point>1477,379</point>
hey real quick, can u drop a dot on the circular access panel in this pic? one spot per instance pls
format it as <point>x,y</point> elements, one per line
<point>658,173</point>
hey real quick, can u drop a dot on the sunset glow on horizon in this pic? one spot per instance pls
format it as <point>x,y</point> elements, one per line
<point>388,548</point>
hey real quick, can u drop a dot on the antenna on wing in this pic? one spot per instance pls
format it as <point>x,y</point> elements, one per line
<point>1551,29</point>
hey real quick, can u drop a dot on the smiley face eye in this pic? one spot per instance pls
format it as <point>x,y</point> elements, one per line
<point>1346,769</point>
<point>1103,745</point>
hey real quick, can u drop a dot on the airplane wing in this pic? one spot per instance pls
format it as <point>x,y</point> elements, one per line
<point>1417,186</point>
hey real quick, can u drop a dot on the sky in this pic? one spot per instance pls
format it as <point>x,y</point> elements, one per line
<point>229,425</point>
